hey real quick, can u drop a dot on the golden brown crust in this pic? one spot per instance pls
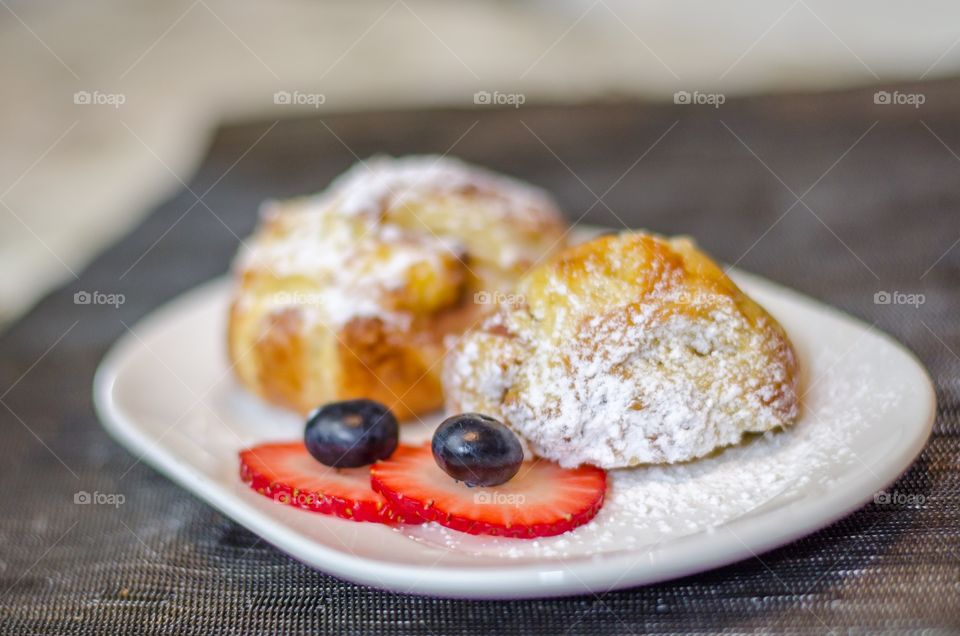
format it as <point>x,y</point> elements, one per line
<point>376,363</point>
<point>346,296</point>
<point>628,349</point>
<point>282,359</point>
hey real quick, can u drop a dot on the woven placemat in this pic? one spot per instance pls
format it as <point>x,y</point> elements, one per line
<point>833,195</point>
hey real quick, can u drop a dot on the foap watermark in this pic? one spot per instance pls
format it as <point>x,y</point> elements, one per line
<point>497,498</point>
<point>312,299</point>
<point>896,98</point>
<point>300,499</point>
<point>99,98</point>
<point>98,298</point>
<point>299,98</point>
<point>97,498</point>
<point>496,98</point>
<point>498,298</point>
<point>698,98</point>
<point>897,498</point>
<point>898,298</point>
<point>695,298</point>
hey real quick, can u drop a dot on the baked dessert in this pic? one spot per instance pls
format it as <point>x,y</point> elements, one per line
<point>629,349</point>
<point>351,292</point>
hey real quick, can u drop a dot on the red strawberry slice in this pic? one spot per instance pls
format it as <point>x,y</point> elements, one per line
<point>541,501</point>
<point>287,473</point>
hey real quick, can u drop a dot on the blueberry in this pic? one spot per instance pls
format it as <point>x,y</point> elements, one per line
<point>351,433</point>
<point>477,450</point>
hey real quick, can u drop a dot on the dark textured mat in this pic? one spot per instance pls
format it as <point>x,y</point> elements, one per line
<point>881,214</point>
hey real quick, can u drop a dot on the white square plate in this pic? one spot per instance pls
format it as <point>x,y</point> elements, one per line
<point>165,391</point>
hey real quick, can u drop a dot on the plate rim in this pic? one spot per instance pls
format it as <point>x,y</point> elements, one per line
<point>744,537</point>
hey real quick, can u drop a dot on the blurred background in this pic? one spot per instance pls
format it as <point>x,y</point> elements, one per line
<point>110,104</point>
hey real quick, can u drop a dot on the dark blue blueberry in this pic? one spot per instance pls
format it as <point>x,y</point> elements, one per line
<point>351,433</point>
<point>477,450</point>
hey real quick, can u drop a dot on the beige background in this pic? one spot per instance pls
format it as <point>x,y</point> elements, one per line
<point>75,176</point>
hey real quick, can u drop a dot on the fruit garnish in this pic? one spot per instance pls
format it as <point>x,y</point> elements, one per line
<point>288,474</point>
<point>477,450</point>
<point>542,500</point>
<point>351,433</point>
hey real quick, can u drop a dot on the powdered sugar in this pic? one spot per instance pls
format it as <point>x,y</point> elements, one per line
<point>637,377</point>
<point>341,254</point>
<point>349,276</point>
<point>380,182</point>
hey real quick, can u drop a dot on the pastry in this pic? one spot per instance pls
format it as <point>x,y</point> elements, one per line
<point>351,292</point>
<point>629,349</point>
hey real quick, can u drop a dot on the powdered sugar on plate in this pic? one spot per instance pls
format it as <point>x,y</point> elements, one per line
<point>654,504</point>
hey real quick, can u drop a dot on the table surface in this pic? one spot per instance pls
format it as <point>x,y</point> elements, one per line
<point>831,194</point>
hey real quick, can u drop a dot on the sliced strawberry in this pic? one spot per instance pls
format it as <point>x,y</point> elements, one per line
<point>288,474</point>
<point>541,501</point>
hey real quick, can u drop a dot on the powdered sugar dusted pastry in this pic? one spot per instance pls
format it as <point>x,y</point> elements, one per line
<point>625,350</point>
<point>350,293</point>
